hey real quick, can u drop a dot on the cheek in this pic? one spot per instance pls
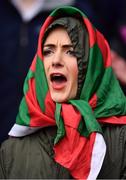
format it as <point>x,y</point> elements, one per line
<point>74,71</point>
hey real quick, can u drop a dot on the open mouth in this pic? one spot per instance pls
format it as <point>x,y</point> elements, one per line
<point>58,80</point>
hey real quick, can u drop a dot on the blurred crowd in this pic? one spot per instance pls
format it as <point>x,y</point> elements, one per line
<point>20,23</point>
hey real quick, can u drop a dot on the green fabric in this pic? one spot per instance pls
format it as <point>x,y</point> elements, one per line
<point>67,10</point>
<point>23,116</point>
<point>60,124</point>
<point>88,124</point>
<point>40,78</point>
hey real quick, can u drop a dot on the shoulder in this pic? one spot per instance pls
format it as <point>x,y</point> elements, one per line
<point>115,131</point>
<point>115,138</point>
<point>12,147</point>
<point>15,142</point>
<point>19,156</point>
<point>41,139</point>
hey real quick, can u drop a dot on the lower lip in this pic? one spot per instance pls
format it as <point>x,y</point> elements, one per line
<point>58,86</point>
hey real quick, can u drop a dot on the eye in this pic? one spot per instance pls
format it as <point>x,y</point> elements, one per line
<point>47,52</point>
<point>71,52</point>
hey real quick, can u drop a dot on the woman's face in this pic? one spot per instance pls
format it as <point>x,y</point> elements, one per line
<point>60,65</point>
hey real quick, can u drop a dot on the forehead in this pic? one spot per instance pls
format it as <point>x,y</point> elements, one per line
<point>58,35</point>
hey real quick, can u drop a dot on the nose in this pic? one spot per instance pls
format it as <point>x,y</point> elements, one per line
<point>57,60</point>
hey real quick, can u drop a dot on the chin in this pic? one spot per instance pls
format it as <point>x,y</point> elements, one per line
<point>58,98</point>
<point>62,97</point>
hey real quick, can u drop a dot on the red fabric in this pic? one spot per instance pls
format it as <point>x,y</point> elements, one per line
<point>42,32</point>
<point>113,120</point>
<point>75,159</point>
<point>37,117</point>
<point>71,156</point>
<point>92,34</point>
<point>93,101</point>
<point>104,49</point>
<point>33,65</point>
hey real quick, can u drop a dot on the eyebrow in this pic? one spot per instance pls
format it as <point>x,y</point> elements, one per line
<point>64,45</point>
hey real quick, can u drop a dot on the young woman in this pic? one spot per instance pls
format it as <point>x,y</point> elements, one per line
<point>71,120</point>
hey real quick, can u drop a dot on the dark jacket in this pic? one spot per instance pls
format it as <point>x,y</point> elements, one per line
<point>31,157</point>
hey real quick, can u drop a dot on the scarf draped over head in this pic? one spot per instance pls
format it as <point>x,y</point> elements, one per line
<point>79,145</point>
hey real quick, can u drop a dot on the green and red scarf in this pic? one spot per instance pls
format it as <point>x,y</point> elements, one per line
<point>79,145</point>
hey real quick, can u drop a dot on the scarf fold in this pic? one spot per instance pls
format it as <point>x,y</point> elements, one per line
<point>79,145</point>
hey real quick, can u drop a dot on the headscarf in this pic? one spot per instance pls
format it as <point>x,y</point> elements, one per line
<point>79,145</point>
